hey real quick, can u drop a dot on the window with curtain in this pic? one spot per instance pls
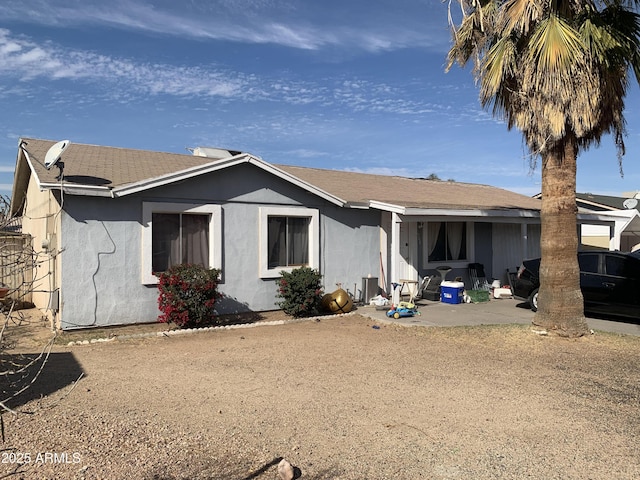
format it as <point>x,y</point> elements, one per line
<point>179,238</point>
<point>176,232</point>
<point>446,241</point>
<point>289,238</point>
<point>288,241</point>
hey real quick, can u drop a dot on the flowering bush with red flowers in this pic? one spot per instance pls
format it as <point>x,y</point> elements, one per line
<point>301,292</point>
<point>188,294</point>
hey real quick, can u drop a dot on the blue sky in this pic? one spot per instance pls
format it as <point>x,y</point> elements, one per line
<point>352,85</point>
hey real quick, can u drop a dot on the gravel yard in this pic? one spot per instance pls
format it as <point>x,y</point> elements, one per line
<point>339,399</point>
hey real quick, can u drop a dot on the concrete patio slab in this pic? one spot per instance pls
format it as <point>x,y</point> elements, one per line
<point>495,311</point>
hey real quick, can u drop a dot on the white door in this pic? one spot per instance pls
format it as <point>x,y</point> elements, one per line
<point>408,257</point>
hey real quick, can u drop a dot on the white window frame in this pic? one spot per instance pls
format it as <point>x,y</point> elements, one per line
<point>314,230</point>
<point>215,233</point>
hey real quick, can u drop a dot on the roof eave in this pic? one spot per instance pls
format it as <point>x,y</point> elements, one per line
<point>75,189</point>
<point>387,207</point>
<point>595,204</point>
<point>23,171</point>
<point>627,216</point>
<point>456,212</point>
<point>474,212</point>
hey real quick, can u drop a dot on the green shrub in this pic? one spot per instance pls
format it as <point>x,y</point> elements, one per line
<point>301,292</point>
<point>188,294</point>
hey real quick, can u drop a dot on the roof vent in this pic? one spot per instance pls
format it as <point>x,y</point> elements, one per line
<point>215,153</point>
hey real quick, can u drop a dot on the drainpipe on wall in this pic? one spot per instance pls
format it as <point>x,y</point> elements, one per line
<point>53,305</point>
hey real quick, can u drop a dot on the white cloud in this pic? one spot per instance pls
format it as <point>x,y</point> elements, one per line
<point>364,26</point>
<point>20,57</point>
<point>123,79</point>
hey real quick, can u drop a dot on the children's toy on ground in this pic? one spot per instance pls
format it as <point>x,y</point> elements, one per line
<point>403,309</point>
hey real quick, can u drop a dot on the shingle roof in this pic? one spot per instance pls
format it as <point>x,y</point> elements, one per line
<point>108,166</point>
<point>94,165</point>
<point>601,202</point>
<point>411,192</point>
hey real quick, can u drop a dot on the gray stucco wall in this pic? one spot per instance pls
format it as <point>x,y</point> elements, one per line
<point>483,246</point>
<point>100,274</point>
<point>102,246</point>
<point>350,248</point>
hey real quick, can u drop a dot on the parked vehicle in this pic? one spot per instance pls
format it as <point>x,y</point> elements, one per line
<point>610,283</point>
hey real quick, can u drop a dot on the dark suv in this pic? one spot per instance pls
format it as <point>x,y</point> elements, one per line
<point>610,283</point>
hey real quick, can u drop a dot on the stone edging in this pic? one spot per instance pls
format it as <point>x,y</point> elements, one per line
<point>189,331</point>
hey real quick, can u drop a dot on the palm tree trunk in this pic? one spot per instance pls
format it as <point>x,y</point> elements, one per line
<point>560,302</point>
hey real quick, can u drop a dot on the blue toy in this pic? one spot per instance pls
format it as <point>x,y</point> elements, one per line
<point>403,309</point>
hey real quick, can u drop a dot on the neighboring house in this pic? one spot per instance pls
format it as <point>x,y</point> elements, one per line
<point>626,233</point>
<point>117,215</point>
<point>623,234</point>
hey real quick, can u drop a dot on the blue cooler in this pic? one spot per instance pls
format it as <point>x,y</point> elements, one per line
<point>451,292</point>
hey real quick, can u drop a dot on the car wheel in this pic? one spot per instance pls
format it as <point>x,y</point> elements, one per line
<point>396,315</point>
<point>533,300</point>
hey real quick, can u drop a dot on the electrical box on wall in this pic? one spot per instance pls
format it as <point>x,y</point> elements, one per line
<point>54,300</point>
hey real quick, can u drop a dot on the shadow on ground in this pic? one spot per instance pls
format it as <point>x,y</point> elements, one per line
<point>237,468</point>
<point>597,315</point>
<point>28,377</point>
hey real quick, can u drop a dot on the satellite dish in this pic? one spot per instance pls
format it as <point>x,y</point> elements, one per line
<point>54,153</point>
<point>630,203</point>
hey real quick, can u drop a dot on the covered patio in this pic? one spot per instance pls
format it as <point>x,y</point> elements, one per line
<point>419,243</point>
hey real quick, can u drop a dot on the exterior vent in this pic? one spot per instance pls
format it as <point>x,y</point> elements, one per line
<point>215,153</point>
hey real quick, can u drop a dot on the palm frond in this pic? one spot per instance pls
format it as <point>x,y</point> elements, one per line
<point>554,45</point>
<point>522,15</point>
<point>498,64</point>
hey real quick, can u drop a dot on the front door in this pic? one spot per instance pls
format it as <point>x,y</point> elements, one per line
<point>408,246</point>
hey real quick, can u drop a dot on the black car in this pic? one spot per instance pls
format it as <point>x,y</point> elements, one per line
<point>610,283</point>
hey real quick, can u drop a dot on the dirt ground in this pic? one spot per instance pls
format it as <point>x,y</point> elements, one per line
<point>340,398</point>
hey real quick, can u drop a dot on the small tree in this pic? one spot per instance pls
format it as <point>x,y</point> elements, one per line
<point>301,292</point>
<point>18,261</point>
<point>188,294</point>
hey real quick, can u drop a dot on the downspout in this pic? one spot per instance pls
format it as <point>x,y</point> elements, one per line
<point>54,252</point>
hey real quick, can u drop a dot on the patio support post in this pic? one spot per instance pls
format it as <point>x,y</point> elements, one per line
<point>524,234</point>
<point>614,237</point>
<point>395,247</point>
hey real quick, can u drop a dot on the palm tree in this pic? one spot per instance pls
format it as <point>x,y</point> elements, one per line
<point>557,70</point>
